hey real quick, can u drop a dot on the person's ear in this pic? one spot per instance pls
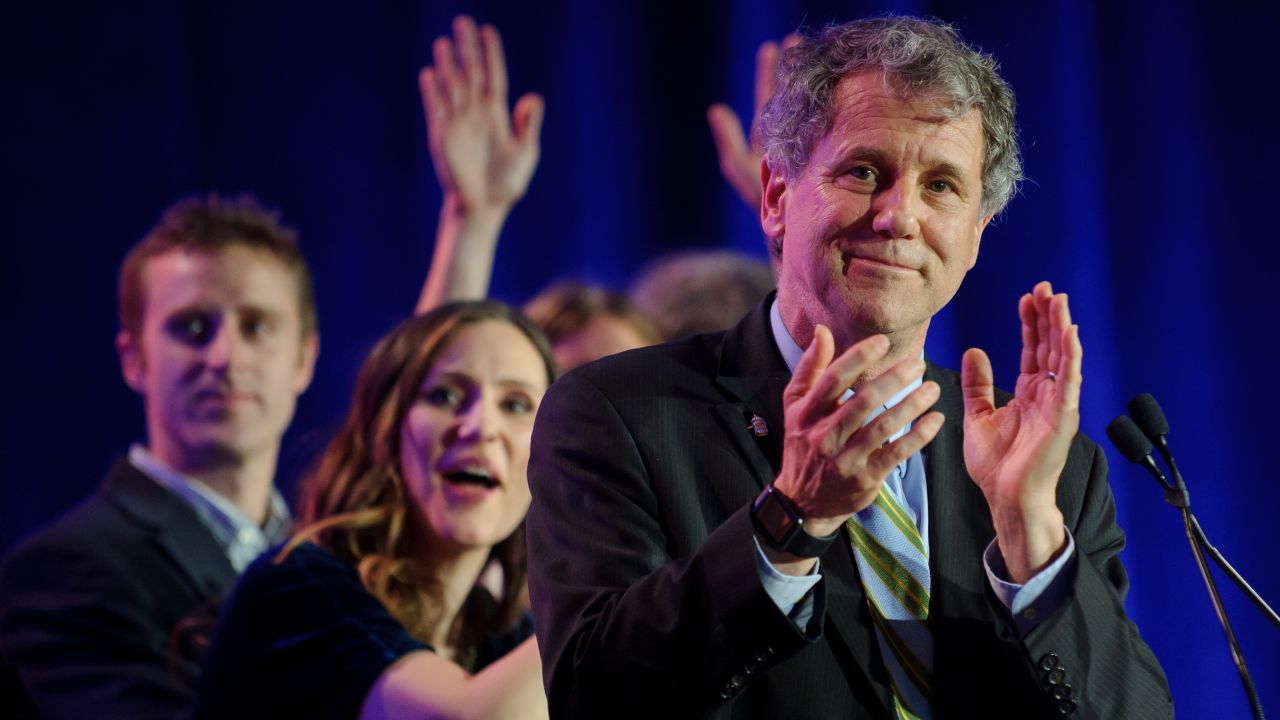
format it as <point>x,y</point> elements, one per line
<point>773,205</point>
<point>977,239</point>
<point>307,362</point>
<point>131,366</point>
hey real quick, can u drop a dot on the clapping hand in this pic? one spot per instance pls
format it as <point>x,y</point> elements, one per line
<point>834,461</point>
<point>1017,452</point>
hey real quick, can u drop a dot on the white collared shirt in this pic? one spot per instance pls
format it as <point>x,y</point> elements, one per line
<point>241,538</point>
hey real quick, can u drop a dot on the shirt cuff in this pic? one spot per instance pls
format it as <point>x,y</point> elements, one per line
<point>791,593</point>
<point>1043,593</point>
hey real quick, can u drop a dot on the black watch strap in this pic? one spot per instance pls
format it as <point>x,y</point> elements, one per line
<point>779,524</point>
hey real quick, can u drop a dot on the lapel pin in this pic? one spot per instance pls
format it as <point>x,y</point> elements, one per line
<point>759,426</point>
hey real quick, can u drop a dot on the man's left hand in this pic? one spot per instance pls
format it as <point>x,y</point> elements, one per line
<point>1017,452</point>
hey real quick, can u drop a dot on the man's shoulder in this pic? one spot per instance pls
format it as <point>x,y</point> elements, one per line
<point>85,558</point>
<point>648,369</point>
<point>94,526</point>
<point>87,542</point>
<point>94,522</point>
<point>106,540</point>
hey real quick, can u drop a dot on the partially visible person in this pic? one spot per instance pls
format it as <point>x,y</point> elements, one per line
<point>587,322</point>
<point>740,151</point>
<point>373,609</point>
<point>484,157</point>
<point>687,293</point>
<point>106,612</point>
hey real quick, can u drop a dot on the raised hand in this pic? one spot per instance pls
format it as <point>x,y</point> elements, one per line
<point>832,464</point>
<point>1016,453</point>
<point>740,158</point>
<point>483,158</point>
<point>480,152</point>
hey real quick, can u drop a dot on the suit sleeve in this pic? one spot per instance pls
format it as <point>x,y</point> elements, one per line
<point>76,630</point>
<point>1089,643</point>
<point>625,627</point>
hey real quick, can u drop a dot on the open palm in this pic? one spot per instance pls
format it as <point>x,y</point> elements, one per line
<point>1015,453</point>
<point>479,152</point>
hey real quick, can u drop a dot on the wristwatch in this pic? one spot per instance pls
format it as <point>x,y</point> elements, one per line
<point>779,524</point>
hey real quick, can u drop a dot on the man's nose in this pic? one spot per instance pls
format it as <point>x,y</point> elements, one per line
<point>896,211</point>
<point>226,349</point>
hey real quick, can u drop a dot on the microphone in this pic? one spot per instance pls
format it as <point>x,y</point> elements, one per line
<point>1133,437</point>
<point>1136,448</point>
<point>1147,414</point>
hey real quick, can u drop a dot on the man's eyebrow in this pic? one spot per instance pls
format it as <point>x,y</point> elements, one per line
<point>946,168</point>
<point>261,310</point>
<point>865,152</point>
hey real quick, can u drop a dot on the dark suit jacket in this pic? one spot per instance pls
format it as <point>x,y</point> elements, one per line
<point>105,613</point>
<point>646,594</point>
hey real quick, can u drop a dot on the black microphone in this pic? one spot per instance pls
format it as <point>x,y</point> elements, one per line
<point>1147,414</point>
<point>1135,447</point>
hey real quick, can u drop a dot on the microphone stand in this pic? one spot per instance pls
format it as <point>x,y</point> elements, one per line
<point>1177,496</point>
<point>1233,574</point>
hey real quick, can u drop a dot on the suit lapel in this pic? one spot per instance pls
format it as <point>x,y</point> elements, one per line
<point>174,528</point>
<point>959,528</point>
<point>751,370</point>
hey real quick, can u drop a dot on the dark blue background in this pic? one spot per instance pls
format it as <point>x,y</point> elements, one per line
<point>1150,144</point>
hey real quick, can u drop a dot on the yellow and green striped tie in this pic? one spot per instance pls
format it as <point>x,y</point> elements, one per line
<point>894,568</point>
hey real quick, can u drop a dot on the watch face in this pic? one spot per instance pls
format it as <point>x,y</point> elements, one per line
<point>774,519</point>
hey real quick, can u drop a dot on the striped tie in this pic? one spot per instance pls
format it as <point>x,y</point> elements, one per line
<point>894,568</point>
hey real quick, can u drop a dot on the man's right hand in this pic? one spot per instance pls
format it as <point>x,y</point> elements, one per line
<point>483,155</point>
<point>832,464</point>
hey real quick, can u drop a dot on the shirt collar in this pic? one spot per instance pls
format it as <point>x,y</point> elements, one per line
<point>791,352</point>
<point>241,538</point>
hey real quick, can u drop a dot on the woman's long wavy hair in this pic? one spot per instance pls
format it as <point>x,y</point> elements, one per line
<point>355,504</point>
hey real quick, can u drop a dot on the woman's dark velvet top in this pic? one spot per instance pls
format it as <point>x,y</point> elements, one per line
<point>304,639</point>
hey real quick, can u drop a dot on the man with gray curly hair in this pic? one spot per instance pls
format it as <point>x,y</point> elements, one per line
<point>802,518</point>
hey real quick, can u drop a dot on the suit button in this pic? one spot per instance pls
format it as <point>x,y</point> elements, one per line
<point>1066,707</point>
<point>726,693</point>
<point>764,654</point>
<point>751,667</point>
<point>1029,614</point>
<point>1061,692</point>
<point>737,681</point>
<point>1058,675</point>
<point>1049,662</point>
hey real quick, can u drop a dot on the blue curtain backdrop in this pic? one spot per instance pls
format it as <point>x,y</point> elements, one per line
<point>1150,146</point>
